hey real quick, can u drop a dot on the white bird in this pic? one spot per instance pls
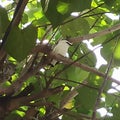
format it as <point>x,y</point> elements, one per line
<point>61,48</point>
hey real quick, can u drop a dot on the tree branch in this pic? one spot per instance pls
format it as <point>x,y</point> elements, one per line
<point>17,84</point>
<point>75,63</point>
<point>94,35</point>
<point>19,11</point>
<point>17,102</point>
<point>83,66</point>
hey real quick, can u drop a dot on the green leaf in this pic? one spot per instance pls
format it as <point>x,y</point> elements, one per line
<point>66,117</point>
<point>109,2</point>
<point>41,22</point>
<point>107,50</point>
<point>3,21</point>
<point>117,52</point>
<point>109,100</point>
<point>24,18</point>
<point>56,99</point>
<point>85,100</point>
<point>72,115</point>
<point>13,116</point>
<point>61,9</point>
<point>41,32</point>
<point>115,110</point>
<point>96,81</point>
<point>21,42</point>
<point>75,74</point>
<point>80,5</point>
<point>35,83</point>
<point>53,13</point>
<point>113,5</point>
<point>88,59</point>
<point>36,12</point>
<point>75,28</point>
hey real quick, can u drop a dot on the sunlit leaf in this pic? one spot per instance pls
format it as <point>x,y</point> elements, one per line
<point>41,32</point>
<point>34,13</point>
<point>56,18</point>
<point>42,111</point>
<point>117,51</point>
<point>61,9</point>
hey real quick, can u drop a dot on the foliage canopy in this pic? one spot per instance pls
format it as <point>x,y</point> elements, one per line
<point>74,89</point>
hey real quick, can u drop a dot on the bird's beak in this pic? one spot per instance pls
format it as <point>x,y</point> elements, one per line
<point>69,43</point>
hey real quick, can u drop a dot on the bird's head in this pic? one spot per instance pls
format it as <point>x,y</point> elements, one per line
<point>64,42</point>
